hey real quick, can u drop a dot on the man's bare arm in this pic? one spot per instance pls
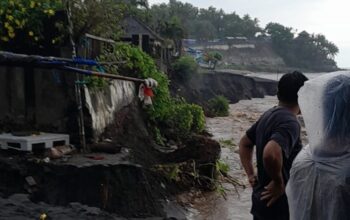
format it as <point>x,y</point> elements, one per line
<point>273,162</point>
<point>246,155</point>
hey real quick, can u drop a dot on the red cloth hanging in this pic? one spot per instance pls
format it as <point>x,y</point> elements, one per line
<point>148,92</point>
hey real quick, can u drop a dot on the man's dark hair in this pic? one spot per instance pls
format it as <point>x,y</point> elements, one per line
<point>288,87</point>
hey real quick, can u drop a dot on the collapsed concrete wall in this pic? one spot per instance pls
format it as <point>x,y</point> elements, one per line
<point>102,104</point>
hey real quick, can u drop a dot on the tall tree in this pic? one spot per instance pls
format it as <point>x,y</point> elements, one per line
<point>99,17</point>
<point>215,17</point>
<point>173,30</point>
<point>282,38</point>
<point>232,25</point>
<point>250,26</point>
<point>203,30</point>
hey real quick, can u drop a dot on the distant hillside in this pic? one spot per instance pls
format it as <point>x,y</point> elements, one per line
<point>250,55</point>
<point>286,49</point>
<point>260,57</point>
<point>253,55</point>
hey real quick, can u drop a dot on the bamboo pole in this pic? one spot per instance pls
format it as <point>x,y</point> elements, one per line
<point>9,57</point>
<point>77,86</point>
<point>104,75</point>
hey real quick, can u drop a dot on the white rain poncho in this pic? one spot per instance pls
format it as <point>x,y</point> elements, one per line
<point>319,184</point>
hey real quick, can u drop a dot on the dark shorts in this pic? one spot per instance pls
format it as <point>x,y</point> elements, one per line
<point>278,211</point>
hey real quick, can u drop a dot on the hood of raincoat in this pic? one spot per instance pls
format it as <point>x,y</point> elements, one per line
<point>325,106</point>
<point>319,184</point>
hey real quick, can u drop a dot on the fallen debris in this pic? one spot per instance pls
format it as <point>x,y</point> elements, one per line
<point>30,180</point>
<point>60,151</point>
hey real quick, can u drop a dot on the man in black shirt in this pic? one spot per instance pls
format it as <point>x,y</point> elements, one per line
<point>276,136</point>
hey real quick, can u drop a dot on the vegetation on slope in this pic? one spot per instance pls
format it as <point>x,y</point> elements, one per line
<point>166,113</point>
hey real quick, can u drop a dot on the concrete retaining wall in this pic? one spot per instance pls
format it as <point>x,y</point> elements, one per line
<point>44,100</point>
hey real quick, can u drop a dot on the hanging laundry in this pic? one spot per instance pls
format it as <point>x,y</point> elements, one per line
<point>146,91</point>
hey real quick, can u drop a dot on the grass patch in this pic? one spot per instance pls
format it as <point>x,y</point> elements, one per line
<point>228,143</point>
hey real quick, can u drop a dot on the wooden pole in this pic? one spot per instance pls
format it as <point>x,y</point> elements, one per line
<point>104,75</point>
<point>77,84</point>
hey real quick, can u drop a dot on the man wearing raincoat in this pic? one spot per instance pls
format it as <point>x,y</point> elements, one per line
<point>319,184</point>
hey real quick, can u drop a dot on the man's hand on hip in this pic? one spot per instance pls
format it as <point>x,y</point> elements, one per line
<point>273,191</point>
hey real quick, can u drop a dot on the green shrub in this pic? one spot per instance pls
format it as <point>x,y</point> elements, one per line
<point>158,136</point>
<point>198,118</point>
<point>181,119</point>
<point>95,82</point>
<point>222,167</point>
<point>185,67</point>
<point>213,56</point>
<point>219,106</point>
<point>217,56</point>
<point>186,119</point>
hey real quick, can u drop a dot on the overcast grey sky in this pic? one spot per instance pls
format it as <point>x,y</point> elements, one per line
<point>329,17</point>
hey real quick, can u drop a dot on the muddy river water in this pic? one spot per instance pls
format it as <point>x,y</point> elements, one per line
<point>228,130</point>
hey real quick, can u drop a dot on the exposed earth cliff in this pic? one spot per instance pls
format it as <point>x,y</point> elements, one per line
<point>205,86</point>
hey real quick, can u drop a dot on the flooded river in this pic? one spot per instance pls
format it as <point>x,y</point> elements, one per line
<point>228,130</point>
